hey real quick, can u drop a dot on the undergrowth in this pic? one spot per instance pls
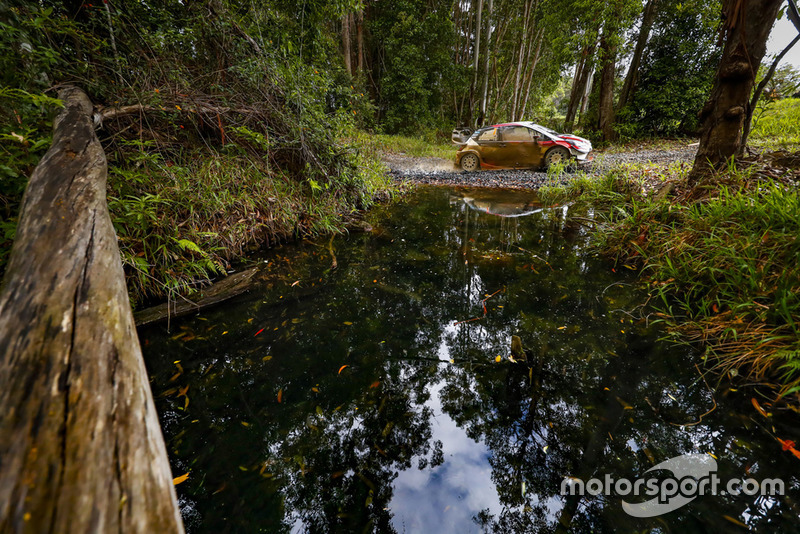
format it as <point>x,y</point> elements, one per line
<point>724,269</point>
<point>180,225</point>
<point>428,145</point>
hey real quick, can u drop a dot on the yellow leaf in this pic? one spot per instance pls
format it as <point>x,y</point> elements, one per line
<point>348,323</point>
<point>562,328</point>
<point>315,389</point>
<point>734,521</point>
<point>498,358</point>
<point>245,423</point>
<point>178,480</point>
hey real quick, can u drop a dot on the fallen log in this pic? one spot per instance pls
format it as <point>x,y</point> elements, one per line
<point>81,448</point>
<point>227,288</point>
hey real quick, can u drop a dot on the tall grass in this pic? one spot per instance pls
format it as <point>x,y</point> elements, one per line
<point>428,145</point>
<point>777,124</point>
<point>724,271</point>
<point>180,224</point>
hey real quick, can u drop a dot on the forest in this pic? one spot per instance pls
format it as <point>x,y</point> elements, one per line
<point>232,127</point>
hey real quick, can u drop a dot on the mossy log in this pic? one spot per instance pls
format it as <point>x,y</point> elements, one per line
<point>81,448</point>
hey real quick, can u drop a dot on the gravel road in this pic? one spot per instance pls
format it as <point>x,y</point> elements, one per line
<point>437,171</point>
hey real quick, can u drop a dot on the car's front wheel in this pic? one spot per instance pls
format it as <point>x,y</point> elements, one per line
<point>470,162</point>
<point>555,155</point>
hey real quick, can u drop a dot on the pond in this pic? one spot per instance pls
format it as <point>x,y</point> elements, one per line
<point>367,384</point>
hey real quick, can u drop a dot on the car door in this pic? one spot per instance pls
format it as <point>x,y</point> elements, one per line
<point>491,147</point>
<point>522,147</point>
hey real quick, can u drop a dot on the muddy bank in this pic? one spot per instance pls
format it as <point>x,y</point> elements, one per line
<point>439,171</point>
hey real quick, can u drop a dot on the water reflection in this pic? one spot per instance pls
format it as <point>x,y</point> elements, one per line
<point>363,394</point>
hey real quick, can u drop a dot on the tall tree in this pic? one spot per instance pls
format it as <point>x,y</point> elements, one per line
<point>583,71</point>
<point>485,96</point>
<point>648,16</point>
<point>746,28</point>
<point>476,57</point>
<point>794,16</point>
<point>346,46</point>
<point>605,105</point>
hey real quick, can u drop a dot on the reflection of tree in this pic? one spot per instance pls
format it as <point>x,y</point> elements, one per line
<point>593,399</point>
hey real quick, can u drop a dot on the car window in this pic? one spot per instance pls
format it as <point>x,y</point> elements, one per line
<point>488,135</point>
<point>517,133</point>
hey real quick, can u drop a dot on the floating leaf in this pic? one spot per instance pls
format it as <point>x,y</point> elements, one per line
<point>259,332</point>
<point>178,480</point>
<point>342,368</point>
<point>498,358</point>
<point>280,395</point>
<point>245,424</point>
<point>375,384</point>
<point>297,282</point>
<point>315,389</point>
<point>348,323</point>
<point>758,407</point>
<point>734,521</point>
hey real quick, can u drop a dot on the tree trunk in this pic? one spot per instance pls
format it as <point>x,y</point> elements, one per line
<point>747,26</point>
<point>748,120</point>
<point>475,65</point>
<point>605,106</point>
<point>631,79</point>
<point>586,93</point>
<point>346,48</point>
<point>484,98</point>
<point>360,39</point>
<point>81,449</point>
<point>522,42</point>
<point>579,87</point>
<point>532,68</point>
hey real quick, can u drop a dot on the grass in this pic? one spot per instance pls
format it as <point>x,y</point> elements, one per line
<point>724,270</point>
<point>777,124</point>
<point>428,146</point>
<point>180,224</point>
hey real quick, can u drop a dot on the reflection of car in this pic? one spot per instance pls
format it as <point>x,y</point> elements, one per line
<point>520,145</point>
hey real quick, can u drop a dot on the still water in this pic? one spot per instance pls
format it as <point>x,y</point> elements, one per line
<point>366,385</point>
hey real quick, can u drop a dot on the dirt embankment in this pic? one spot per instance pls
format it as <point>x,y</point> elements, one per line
<point>439,171</point>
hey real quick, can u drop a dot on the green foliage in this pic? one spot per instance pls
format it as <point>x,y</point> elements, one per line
<point>179,225</point>
<point>777,124</point>
<point>677,71</point>
<point>723,271</point>
<point>417,38</point>
<point>245,133</point>
<point>428,145</point>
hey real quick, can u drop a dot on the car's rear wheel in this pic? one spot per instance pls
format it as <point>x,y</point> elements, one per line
<point>557,154</point>
<point>470,162</point>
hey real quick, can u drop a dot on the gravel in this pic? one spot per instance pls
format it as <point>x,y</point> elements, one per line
<point>438,171</point>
